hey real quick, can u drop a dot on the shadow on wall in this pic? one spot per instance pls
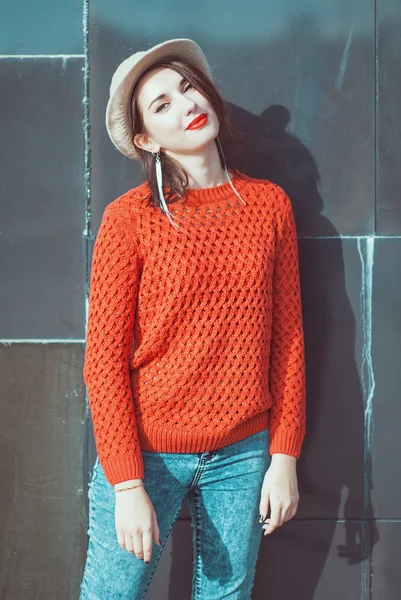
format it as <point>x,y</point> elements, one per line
<point>334,454</point>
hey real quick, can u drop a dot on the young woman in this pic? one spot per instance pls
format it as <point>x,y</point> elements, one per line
<point>194,357</point>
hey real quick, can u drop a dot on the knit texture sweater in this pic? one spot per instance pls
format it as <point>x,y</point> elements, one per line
<point>195,337</point>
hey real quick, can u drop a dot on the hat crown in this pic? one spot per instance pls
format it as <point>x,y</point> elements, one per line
<point>124,68</point>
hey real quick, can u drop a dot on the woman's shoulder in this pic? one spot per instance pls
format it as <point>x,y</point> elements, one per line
<point>133,200</point>
<point>267,187</point>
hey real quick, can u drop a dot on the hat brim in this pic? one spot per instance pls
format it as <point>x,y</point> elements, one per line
<point>118,122</point>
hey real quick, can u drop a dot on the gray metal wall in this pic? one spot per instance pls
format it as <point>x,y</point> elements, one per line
<point>316,85</point>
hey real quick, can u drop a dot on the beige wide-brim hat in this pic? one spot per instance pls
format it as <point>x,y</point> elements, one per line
<point>118,119</point>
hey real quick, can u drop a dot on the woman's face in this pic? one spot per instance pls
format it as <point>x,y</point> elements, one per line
<point>166,119</point>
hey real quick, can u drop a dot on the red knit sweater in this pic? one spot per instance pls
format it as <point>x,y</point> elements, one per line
<point>195,339</point>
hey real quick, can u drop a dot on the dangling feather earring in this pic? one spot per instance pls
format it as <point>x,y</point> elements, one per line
<point>159,179</point>
<point>227,173</point>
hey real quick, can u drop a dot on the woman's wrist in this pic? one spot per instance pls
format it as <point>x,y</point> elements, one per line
<point>128,482</point>
<point>284,459</point>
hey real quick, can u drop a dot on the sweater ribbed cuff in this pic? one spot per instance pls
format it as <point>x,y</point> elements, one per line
<point>286,442</point>
<point>123,468</point>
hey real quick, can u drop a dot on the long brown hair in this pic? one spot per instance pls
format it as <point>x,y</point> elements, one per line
<point>175,177</point>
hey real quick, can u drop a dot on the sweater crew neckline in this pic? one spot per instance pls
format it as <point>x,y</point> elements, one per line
<point>217,193</point>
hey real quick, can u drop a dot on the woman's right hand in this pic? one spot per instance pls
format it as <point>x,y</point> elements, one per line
<point>136,522</point>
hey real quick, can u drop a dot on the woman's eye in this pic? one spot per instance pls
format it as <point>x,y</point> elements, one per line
<point>165,103</point>
<point>161,105</point>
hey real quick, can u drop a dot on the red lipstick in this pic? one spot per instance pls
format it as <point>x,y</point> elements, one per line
<point>198,122</point>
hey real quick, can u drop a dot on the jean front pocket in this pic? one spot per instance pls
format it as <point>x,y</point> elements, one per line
<point>102,492</point>
<point>93,479</point>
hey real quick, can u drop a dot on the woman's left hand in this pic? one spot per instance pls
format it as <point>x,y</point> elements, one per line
<point>280,491</point>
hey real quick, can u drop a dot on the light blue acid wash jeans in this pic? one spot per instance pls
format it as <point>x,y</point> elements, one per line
<point>224,490</point>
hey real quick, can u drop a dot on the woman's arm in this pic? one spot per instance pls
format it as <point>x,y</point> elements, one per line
<point>287,358</point>
<point>112,301</point>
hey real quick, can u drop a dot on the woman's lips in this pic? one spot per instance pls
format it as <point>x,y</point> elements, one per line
<point>199,123</point>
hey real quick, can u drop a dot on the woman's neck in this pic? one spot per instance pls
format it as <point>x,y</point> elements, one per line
<point>207,179</point>
<point>204,169</point>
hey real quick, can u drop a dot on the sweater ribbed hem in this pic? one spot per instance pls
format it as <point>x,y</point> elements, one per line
<point>157,439</point>
<point>286,442</point>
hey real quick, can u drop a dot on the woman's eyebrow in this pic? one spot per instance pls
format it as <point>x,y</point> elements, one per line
<point>164,95</point>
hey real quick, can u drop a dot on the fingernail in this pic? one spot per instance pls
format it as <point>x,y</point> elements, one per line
<point>160,543</point>
<point>260,518</point>
<point>147,562</point>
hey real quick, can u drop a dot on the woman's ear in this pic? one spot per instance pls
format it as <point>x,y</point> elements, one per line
<point>141,140</point>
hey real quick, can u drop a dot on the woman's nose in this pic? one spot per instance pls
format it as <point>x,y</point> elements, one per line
<point>190,106</point>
